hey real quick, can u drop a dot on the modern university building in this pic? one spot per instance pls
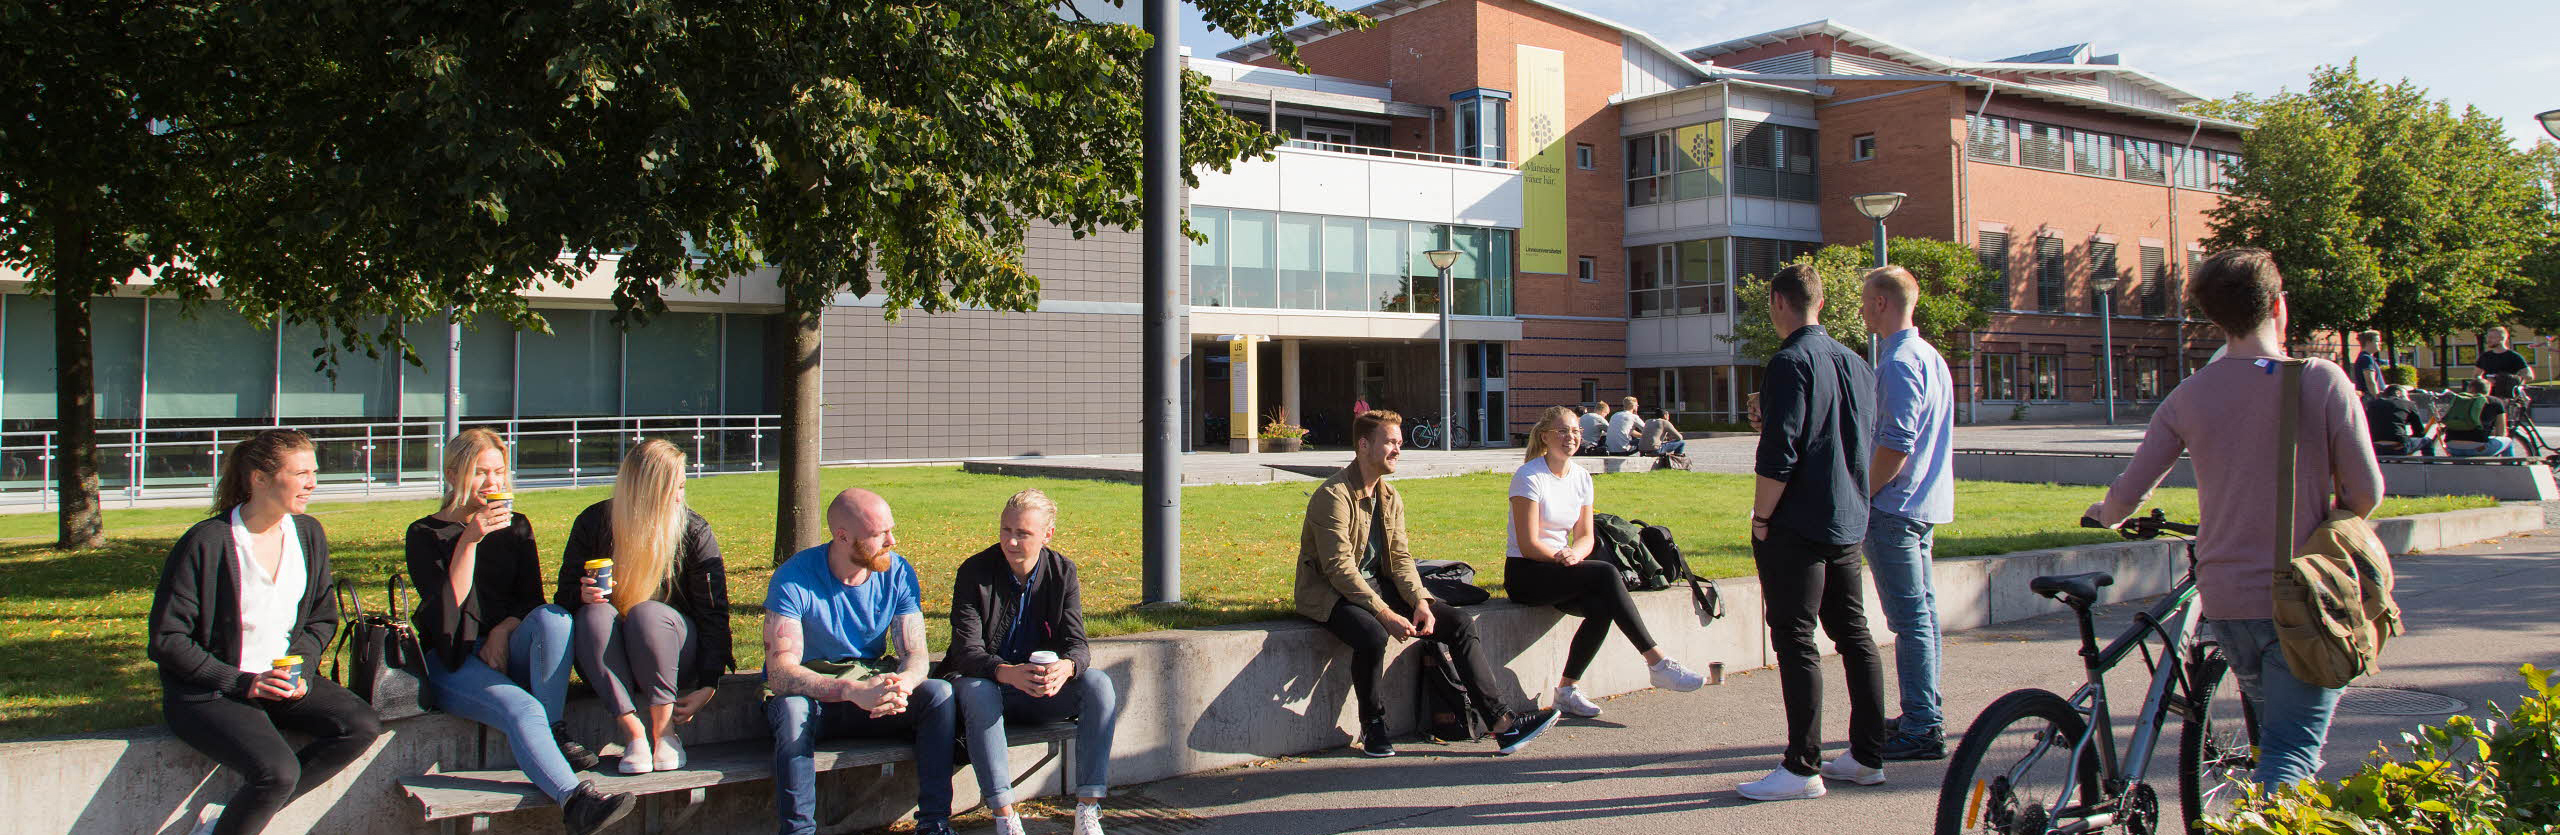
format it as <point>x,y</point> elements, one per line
<point>1604,191</point>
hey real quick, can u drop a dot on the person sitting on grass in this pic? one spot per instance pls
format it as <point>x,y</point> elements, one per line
<point>1018,652</point>
<point>1356,576</point>
<point>1550,563</point>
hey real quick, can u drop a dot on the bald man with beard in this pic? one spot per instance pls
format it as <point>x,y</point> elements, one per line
<point>845,657</point>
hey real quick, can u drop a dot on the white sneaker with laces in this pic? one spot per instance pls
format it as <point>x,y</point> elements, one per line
<point>206,819</point>
<point>1088,819</point>
<point>670,753</point>
<point>637,758</point>
<point>1570,700</point>
<point>1669,675</point>
<point>1845,767</point>
<point>1784,785</point>
<point>1008,825</point>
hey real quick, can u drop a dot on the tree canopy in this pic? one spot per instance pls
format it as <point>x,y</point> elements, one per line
<point>1953,284</point>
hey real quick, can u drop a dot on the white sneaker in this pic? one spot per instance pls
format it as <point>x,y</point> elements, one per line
<point>1088,819</point>
<point>637,758</point>
<point>1784,785</point>
<point>206,819</point>
<point>1570,700</point>
<point>1669,675</point>
<point>1008,825</point>
<point>670,753</point>
<point>1845,767</point>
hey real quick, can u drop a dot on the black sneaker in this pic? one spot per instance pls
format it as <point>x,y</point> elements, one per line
<point>1525,726</point>
<point>1374,742</point>
<point>1914,745</point>
<point>589,811</point>
<point>580,759</point>
<point>942,827</point>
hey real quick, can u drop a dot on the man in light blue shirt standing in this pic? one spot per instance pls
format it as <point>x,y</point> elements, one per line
<point>1911,491</point>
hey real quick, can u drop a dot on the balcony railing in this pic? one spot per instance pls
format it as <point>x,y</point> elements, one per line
<point>1368,150</point>
<point>360,458</point>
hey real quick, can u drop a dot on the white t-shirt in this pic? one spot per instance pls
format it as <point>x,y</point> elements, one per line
<point>270,607</point>
<point>1560,499</point>
<point>1622,431</point>
<point>1593,426</point>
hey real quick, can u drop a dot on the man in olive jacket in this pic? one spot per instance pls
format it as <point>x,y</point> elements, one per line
<point>1356,576</point>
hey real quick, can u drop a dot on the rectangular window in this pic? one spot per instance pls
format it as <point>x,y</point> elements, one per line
<point>1590,390</point>
<point>2102,267</point>
<point>1862,148</point>
<point>1585,157</point>
<point>1643,162</point>
<point>2191,165</point>
<point>2000,376</point>
<point>1773,161</point>
<point>1701,273</point>
<point>1249,253</point>
<point>2142,161</point>
<point>580,361</point>
<point>1346,281</point>
<point>1644,281</point>
<point>1676,164</point>
<point>681,355</point>
<point>1301,277</point>
<point>2224,168</point>
<point>1481,124</point>
<point>1387,279</point>
<point>1987,138</point>
<point>2155,282</point>
<point>1587,269</point>
<point>2044,376</point>
<point>2195,262</point>
<point>2041,146</point>
<point>1992,251</point>
<point>2093,154</point>
<point>2049,274</point>
<point>1209,258</point>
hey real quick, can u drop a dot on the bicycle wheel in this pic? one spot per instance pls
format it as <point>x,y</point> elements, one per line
<point>1424,436</point>
<point>1458,437</point>
<point>2217,745</point>
<point>2008,775</point>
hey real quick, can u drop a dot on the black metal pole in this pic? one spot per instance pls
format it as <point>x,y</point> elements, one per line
<point>1162,349</point>
<point>1448,409</point>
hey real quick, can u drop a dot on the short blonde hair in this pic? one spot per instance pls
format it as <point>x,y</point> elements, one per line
<point>1033,501</point>
<point>1627,404</point>
<point>1554,417</point>
<point>1895,285</point>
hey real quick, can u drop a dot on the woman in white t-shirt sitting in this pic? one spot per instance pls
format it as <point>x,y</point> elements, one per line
<point>1550,561</point>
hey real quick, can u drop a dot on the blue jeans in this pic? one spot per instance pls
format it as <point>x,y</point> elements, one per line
<point>1090,699</point>
<point>2293,716</point>
<point>1672,447</point>
<point>1899,551</point>
<point>524,701</point>
<point>2495,446</point>
<point>800,722</point>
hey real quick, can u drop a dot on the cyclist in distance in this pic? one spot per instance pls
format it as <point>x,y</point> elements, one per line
<point>2225,418</point>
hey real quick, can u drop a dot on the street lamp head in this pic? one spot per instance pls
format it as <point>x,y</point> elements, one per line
<point>1442,258</point>
<point>2550,122</point>
<point>1878,205</point>
<point>2103,285</point>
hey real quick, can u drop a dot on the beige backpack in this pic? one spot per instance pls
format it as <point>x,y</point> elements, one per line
<point>2333,606</point>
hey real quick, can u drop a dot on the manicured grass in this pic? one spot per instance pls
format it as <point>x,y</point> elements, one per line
<point>71,623</point>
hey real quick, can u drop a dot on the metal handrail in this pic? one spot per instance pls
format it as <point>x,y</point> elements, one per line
<point>1374,151</point>
<point>140,446</point>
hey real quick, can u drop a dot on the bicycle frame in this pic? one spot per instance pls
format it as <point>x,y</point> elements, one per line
<point>2174,620</point>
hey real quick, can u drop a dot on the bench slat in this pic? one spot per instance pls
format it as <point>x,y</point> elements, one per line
<point>455,794</point>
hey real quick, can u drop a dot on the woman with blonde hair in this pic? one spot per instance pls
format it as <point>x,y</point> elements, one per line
<point>1550,562</point>
<point>653,636</point>
<point>496,654</point>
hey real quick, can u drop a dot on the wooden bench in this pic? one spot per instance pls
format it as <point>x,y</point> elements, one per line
<point>463,801</point>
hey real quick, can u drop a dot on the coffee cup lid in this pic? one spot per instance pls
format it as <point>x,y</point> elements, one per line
<point>606,562</point>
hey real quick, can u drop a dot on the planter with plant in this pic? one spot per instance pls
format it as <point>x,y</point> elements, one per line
<point>1279,435</point>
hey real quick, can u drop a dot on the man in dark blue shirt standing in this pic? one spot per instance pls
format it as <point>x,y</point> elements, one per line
<point>1808,516</point>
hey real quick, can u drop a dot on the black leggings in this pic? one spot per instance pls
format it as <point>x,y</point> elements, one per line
<point>1359,628</point>
<point>247,736</point>
<point>1591,586</point>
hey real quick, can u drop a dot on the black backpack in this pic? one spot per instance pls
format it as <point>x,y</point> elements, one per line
<point>1666,553</point>
<point>1451,581</point>
<point>1447,713</point>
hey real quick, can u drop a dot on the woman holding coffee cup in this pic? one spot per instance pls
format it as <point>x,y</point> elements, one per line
<point>497,654</point>
<point>643,573</point>
<point>243,598</point>
<point>1018,652</point>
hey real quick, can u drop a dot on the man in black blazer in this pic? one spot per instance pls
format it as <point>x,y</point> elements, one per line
<point>1012,602</point>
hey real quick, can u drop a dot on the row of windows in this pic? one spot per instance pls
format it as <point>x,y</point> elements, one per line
<point>1312,262</point>
<point>2055,148</point>
<point>1697,277</point>
<point>2149,292</point>
<point>1738,156</point>
<point>2008,376</point>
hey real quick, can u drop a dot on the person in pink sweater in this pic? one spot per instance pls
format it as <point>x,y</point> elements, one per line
<point>2224,418</point>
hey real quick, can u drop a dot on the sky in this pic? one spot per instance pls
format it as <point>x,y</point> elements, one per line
<point>2500,55</point>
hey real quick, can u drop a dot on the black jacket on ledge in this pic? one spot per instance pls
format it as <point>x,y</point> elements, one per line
<point>195,614</point>
<point>984,604</point>
<point>700,591</point>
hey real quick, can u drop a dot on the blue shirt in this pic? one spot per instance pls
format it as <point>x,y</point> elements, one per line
<point>1916,415</point>
<point>1019,642</point>
<point>840,622</point>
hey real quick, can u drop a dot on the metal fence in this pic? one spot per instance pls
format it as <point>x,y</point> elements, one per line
<point>360,458</point>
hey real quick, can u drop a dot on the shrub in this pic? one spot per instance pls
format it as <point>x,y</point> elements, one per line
<point>2468,777</point>
<point>2400,375</point>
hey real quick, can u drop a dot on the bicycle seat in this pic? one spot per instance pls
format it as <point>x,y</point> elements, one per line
<point>2066,587</point>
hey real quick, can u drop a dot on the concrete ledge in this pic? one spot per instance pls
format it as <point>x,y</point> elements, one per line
<point>2506,480</point>
<point>1213,698</point>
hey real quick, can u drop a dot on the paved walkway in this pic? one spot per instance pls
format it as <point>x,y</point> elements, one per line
<point>1667,762</point>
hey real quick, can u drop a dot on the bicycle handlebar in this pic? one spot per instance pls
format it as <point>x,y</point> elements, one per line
<point>2145,527</point>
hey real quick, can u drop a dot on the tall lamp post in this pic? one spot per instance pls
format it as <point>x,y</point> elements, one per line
<point>2107,337</point>
<point>1442,260</point>
<point>1877,206</point>
<point>2550,122</point>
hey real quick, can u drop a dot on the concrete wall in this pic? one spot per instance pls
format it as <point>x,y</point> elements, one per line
<point>2504,482</point>
<point>1214,698</point>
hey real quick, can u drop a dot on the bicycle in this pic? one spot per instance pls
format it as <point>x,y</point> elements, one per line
<point>2030,790</point>
<point>1426,435</point>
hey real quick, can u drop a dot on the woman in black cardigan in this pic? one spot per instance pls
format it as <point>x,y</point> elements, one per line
<point>240,592</point>
<point>654,644</point>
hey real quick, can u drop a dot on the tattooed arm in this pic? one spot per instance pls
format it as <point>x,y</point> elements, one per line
<point>906,635</point>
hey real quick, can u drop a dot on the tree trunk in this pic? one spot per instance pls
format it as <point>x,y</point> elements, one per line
<point>75,402</point>
<point>798,518</point>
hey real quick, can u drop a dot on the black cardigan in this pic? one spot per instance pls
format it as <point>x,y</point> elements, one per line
<point>195,614</point>
<point>700,591</point>
<point>983,609</point>
<point>506,582</point>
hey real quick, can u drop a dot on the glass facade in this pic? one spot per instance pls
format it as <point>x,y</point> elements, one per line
<point>1288,261</point>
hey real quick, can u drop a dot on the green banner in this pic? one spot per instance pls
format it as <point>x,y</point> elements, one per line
<point>1542,233</point>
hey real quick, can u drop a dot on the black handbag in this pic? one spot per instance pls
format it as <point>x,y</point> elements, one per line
<point>378,656</point>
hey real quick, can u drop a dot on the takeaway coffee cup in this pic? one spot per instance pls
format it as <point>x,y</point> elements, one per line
<point>499,499</point>
<point>291,667</point>
<point>1044,658</point>
<point>602,571</point>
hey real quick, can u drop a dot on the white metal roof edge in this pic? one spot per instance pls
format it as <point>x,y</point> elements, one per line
<point>1872,43</point>
<point>1251,50</point>
<point>2029,91</point>
<point>1819,92</point>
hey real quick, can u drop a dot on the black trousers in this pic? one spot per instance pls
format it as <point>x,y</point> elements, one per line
<point>1590,588</point>
<point>247,736</point>
<point>1359,628</point>
<point>1798,578</point>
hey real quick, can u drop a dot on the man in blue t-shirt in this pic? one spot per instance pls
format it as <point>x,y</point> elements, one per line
<point>845,656</point>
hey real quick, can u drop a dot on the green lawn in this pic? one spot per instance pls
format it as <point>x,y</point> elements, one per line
<point>71,623</point>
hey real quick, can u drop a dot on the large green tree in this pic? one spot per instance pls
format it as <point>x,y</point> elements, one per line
<point>2387,209</point>
<point>2536,298</point>
<point>360,165</point>
<point>1952,280</point>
